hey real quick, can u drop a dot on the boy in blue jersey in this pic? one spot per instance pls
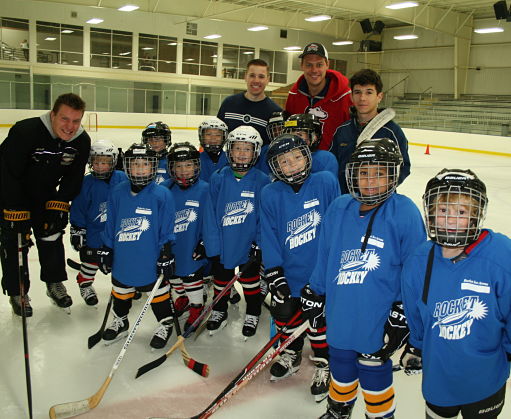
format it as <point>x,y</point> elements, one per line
<point>88,212</point>
<point>138,237</point>
<point>212,137</point>
<point>457,298</point>
<point>158,137</point>
<point>233,231</point>
<point>190,195</point>
<point>364,240</point>
<point>308,126</point>
<point>291,213</point>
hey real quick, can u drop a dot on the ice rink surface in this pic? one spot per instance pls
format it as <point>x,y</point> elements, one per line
<point>64,370</point>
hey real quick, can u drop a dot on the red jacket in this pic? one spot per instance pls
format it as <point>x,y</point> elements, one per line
<point>333,109</point>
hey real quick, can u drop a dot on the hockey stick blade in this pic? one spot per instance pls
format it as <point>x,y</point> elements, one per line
<point>96,337</point>
<point>73,264</point>
<point>375,124</point>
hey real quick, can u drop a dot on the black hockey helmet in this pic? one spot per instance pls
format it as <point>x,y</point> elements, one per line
<point>381,154</point>
<point>455,204</point>
<point>181,153</point>
<point>212,123</point>
<point>305,123</point>
<point>283,144</point>
<point>243,134</point>
<point>103,148</point>
<point>158,130</point>
<point>276,124</point>
<point>139,155</point>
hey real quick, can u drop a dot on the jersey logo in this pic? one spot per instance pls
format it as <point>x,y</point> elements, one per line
<point>236,212</point>
<point>132,228</point>
<point>302,229</point>
<point>246,119</point>
<point>455,317</point>
<point>102,213</point>
<point>183,219</point>
<point>319,112</point>
<point>470,284</point>
<point>355,266</point>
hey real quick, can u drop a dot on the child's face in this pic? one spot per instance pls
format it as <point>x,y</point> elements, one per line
<point>304,135</point>
<point>212,136</point>
<point>366,99</point>
<point>453,216</point>
<point>141,167</point>
<point>242,152</point>
<point>156,143</point>
<point>185,169</point>
<point>102,164</point>
<point>373,180</point>
<point>291,162</point>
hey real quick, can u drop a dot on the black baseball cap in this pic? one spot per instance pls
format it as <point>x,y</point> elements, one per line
<point>314,48</point>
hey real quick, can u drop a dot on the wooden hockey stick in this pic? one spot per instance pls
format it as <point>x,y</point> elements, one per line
<point>375,124</point>
<point>180,339</point>
<point>245,376</point>
<point>96,337</point>
<point>70,409</point>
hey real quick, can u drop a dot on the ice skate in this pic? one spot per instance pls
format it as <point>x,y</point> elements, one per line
<point>250,326</point>
<point>337,410</point>
<point>287,365</point>
<point>162,334</point>
<point>117,329</point>
<point>58,295</point>
<point>217,321</point>
<point>234,297</point>
<point>15,301</point>
<point>321,379</point>
<point>88,293</point>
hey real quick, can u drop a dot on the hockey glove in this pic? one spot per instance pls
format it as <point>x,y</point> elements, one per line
<point>411,360</point>
<point>255,255</point>
<point>277,283</point>
<point>18,221</point>
<point>78,237</point>
<point>166,264</point>
<point>55,217</point>
<point>199,252</point>
<point>313,307</point>
<point>395,335</point>
<point>105,259</point>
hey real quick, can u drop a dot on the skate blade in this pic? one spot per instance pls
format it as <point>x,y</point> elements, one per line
<point>214,332</point>
<point>66,310</point>
<point>320,397</point>
<point>117,339</point>
<point>274,379</point>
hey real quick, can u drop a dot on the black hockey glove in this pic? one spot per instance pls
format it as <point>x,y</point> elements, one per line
<point>55,217</point>
<point>277,284</point>
<point>395,335</point>
<point>166,264</point>
<point>18,221</point>
<point>199,252</point>
<point>313,307</point>
<point>411,360</point>
<point>78,237</point>
<point>105,259</point>
<point>255,255</point>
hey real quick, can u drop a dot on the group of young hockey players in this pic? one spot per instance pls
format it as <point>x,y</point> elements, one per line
<point>357,265</point>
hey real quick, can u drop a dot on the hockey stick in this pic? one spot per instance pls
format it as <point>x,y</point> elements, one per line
<point>96,337</point>
<point>73,264</point>
<point>245,376</point>
<point>375,124</point>
<point>23,301</point>
<point>180,339</point>
<point>70,409</point>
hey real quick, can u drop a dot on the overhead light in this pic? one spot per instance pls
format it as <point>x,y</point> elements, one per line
<point>50,38</point>
<point>214,56</point>
<point>404,37</point>
<point>342,43</point>
<point>125,53</point>
<point>67,31</point>
<point>213,36</point>
<point>318,18</point>
<point>189,59</point>
<point>172,43</point>
<point>257,28</point>
<point>128,8</point>
<point>248,52</point>
<point>293,48</point>
<point>94,21</point>
<point>75,61</point>
<point>489,30</point>
<point>115,66</point>
<point>147,48</point>
<point>403,5</point>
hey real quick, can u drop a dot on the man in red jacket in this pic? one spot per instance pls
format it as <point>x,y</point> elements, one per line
<point>320,91</point>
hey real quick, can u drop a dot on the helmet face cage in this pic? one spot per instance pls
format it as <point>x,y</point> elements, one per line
<point>158,130</point>
<point>135,160</point>
<point>275,125</point>
<point>455,205</point>
<point>103,150</point>
<point>212,123</point>
<point>243,134</point>
<point>180,155</point>
<point>279,160</point>
<point>305,123</point>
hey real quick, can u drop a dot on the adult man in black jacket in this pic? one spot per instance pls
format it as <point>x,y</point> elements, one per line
<point>42,164</point>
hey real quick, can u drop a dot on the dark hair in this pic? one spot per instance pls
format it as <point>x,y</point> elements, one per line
<point>259,62</point>
<point>365,77</point>
<point>70,99</point>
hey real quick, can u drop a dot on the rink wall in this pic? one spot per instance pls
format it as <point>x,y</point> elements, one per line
<point>125,128</point>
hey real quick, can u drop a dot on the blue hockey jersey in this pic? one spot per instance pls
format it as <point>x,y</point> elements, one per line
<point>161,173</point>
<point>232,222</point>
<point>361,287</point>
<point>324,160</point>
<point>88,209</point>
<point>465,327</point>
<point>290,225</point>
<point>207,166</point>
<point>136,229</point>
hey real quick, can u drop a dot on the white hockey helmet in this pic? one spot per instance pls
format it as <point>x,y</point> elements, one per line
<point>103,148</point>
<point>212,123</point>
<point>243,134</point>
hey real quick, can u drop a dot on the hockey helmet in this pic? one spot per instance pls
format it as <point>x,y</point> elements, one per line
<point>212,123</point>
<point>155,131</point>
<point>184,153</point>
<point>102,148</point>
<point>291,168</point>
<point>243,134</point>
<point>305,123</point>
<point>141,164</point>
<point>276,124</point>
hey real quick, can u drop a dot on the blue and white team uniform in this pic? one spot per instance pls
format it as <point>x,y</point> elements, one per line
<point>208,166</point>
<point>323,160</point>
<point>262,163</point>
<point>161,172</point>
<point>464,328</point>
<point>136,229</point>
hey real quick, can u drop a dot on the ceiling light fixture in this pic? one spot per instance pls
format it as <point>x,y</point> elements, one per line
<point>147,48</point>
<point>257,28</point>
<point>213,36</point>
<point>50,38</point>
<point>94,21</point>
<point>293,48</point>
<point>172,44</point>
<point>404,37</point>
<point>67,31</point>
<point>342,43</point>
<point>248,52</point>
<point>403,5</point>
<point>318,18</point>
<point>489,30</point>
<point>128,8</point>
